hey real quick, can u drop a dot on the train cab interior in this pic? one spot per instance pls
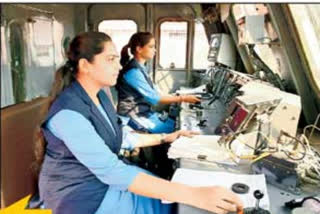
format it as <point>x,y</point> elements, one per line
<point>254,66</point>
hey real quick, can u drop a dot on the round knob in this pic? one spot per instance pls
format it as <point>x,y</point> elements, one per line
<point>258,194</point>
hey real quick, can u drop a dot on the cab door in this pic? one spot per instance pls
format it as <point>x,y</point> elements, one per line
<point>182,45</point>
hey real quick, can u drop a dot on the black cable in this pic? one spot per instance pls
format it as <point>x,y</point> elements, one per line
<point>294,204</point>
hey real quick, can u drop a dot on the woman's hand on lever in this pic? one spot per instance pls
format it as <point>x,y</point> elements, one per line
<point>216,199</point>
<point>189,98</point>
<point>169,138</point>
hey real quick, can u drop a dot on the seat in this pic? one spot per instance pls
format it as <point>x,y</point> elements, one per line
<point>18,124</point>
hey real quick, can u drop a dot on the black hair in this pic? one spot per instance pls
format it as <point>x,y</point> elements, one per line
<point>139,39</point>
<point>85,45</point>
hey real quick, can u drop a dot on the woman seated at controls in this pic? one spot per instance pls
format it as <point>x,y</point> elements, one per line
<point>136,92</point>
<point>82,171</point>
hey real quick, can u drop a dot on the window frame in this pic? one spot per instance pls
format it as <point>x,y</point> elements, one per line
<point>193,48</point>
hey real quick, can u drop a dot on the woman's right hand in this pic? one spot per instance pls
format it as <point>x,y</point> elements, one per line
<point>190,99</point>
<point>216,199</point>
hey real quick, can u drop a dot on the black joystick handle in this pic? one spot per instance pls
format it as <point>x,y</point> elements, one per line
<point>202,123</point>
<point>256,210</point>
<point>258,195</point>
<point>196,105</point>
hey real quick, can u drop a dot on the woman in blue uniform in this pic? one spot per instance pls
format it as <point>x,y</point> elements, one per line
<point>136,92</point>
<point>81,138</point>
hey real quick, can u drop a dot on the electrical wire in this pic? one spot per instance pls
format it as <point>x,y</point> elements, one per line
<point>260,149</point>
<point>293,140</point>
<point>313,127</point>
<point>313,158</point>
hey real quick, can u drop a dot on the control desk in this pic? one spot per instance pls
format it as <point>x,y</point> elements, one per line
<point>205,118</point>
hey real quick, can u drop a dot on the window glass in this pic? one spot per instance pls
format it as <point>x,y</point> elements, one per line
<point>307,21</point>
<point>7,97</point>
<point>201,47</point>
<point>27,59</point>
<point>42,36</point>
<point>120,31</point>
<point>173,44</point>
<point>58,35</point>
<point>3,47</point>
<point>39,56</point>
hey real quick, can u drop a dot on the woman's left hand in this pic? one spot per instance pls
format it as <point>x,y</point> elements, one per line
<point>169,138</point>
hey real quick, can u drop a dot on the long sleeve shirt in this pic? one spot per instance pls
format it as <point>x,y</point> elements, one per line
<point>136,79</point>
<point>102,162</point>
<point>97,156</point>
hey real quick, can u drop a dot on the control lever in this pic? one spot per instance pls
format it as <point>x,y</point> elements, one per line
<point>258,195</point>
<point>254,210</point>
<point>196,105</point>
<point>213,99</point>
<point>202,123</point>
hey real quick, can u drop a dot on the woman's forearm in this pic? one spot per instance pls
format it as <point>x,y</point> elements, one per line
<point>156,139</point>
<point>158,188</point>
<point>148,140</point>
<point>215,199</point>
<point>168,99</point>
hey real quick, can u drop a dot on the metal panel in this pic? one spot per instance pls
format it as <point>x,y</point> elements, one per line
<point>297,71</point>
<point>100,12</point>
<point>17,150</point>
<point>241,49</point>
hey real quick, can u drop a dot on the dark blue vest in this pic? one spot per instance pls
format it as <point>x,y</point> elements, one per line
<point>130,101</point>
<point>66,185</point>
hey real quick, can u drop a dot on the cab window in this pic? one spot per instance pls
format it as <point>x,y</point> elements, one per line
<point>173,44</point>
<point>119,30</point>
<point>200,48</point>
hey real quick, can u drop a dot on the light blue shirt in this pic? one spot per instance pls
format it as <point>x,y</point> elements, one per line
<point>129,138</point>
<point>76,131</point>
<point>135,79</point>
<point>152,123</point>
